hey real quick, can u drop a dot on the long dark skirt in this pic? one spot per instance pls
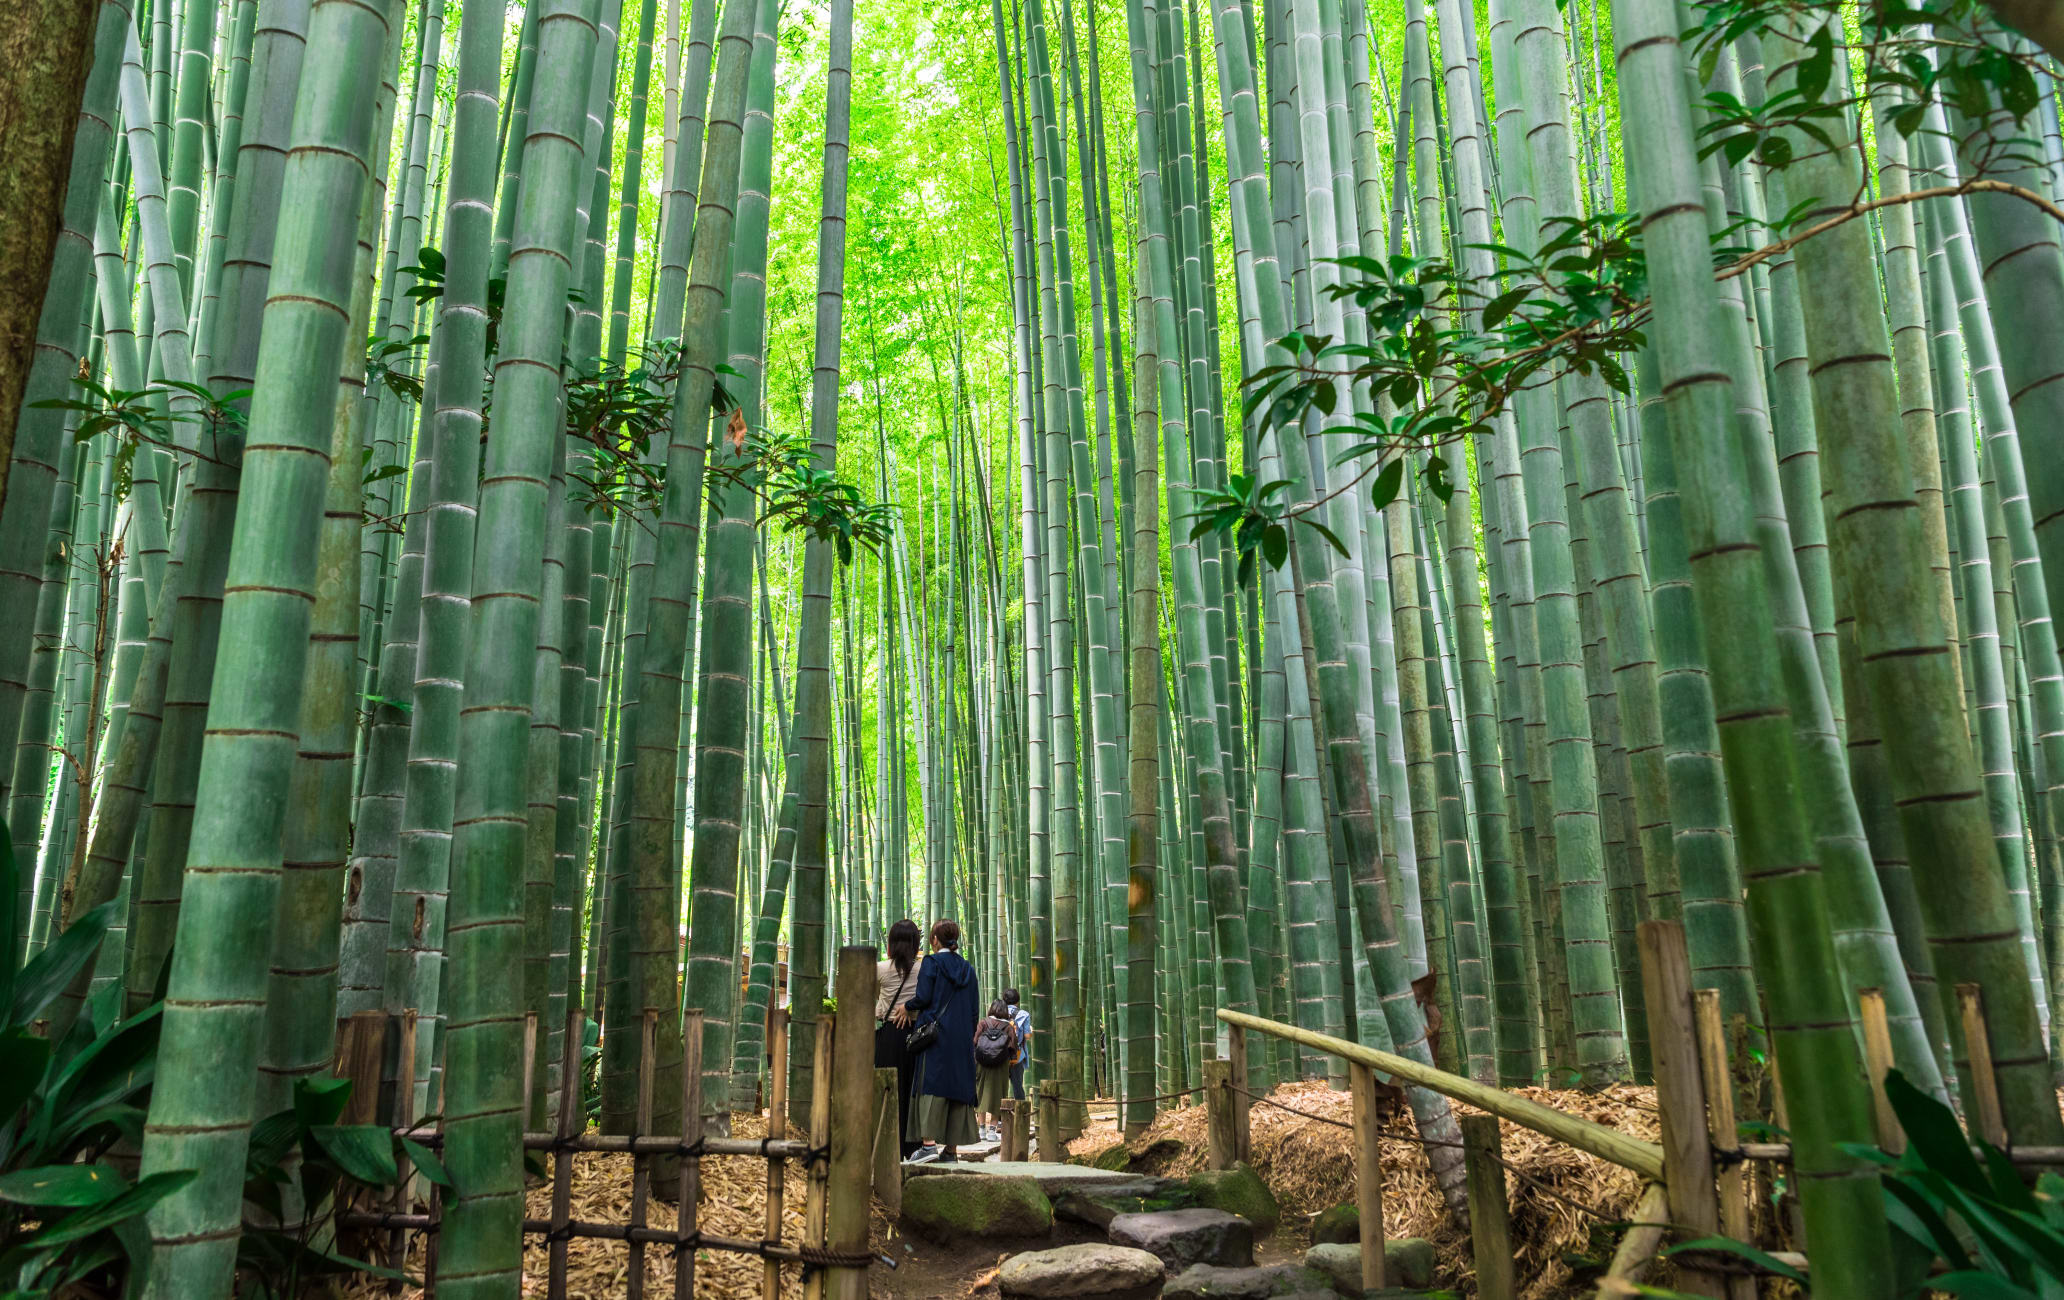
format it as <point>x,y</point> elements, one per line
<point>889,1050</point>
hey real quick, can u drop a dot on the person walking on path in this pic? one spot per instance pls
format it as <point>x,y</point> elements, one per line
<point>896,983</point>
<point>996,1048</point>
<point>948,997</point>
<point>1022,1019</point>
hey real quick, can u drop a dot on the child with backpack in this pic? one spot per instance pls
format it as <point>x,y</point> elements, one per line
<point>996,1046</point>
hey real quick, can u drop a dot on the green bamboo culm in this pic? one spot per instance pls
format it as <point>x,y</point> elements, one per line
<point>1788,915</point>
<point>202,1110</point>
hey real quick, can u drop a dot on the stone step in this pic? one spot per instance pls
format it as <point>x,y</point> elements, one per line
<point>1053,1179</point>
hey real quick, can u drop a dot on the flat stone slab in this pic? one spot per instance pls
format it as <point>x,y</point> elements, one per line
<point>1274,1282</point>
<point>1185,1237</point>
<point>1087,1272</point>
<point>1053,1179</point>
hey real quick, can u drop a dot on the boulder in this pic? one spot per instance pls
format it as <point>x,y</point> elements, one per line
<point>1240,1191</point>
<point>1407,1263</point>
<point>1087,1272</point>
<point>955,1207</point>
<point>1275,1282</point>
<point>1184,1237</point>
<point>1342,1223</point>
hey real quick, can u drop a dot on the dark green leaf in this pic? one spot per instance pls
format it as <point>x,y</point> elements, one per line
<point>129,1204</point>
<point>1385,489</point>
<point>427,1162</point>
<point>320,1099</point>
<point>365,1151</point>
<point>51,971</point>
<point>67,1185</point>
<point>1818,65</point>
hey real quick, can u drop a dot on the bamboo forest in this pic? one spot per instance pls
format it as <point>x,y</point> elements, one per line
<point>1389,593</point>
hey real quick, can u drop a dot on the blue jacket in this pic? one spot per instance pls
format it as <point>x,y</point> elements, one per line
<point>947,993</point>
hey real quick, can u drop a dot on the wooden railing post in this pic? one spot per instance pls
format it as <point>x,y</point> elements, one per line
<point>1243,1109</point>
<point>852,1059</point>
<point>1221,1143</point>
<point>688,1187</point>
<point>359,1050</point>
<point>1490,1215</point>
<point>1991,1119</point>
<point>1361,1082</point>
<point>816,1189</point>
<point>1721,1129</point>
<point>888,1143</point>
<point>405,1117</point>
<point>777,1127</point>
<point>565,1126</point>
<point>1680,1093</point>
<point>1010,1124</point>
<point>641,1166</point>
<point>1050,1121</point>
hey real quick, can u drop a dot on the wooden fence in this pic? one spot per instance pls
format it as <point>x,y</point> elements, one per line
<point>1701,1179</point>
<point>838,1152</point>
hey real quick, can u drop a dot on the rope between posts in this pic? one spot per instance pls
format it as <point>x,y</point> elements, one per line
<point>1126,1101</point>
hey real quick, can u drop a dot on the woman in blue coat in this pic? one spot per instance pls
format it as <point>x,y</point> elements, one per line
<point>942,1095</point>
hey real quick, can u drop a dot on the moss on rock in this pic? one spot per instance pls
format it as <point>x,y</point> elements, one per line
<point>954,1207</point>
<point>1240,1191</point>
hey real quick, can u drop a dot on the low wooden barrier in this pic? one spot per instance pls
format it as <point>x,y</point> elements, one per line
<point>1700,1178</point>
<point>838,1151</point>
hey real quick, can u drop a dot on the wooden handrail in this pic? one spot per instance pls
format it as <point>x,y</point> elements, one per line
<point>1644,1158</point>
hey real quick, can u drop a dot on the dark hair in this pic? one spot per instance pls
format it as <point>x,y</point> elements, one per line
<point>903,938</point>
<point>1011,996</point>
<point>946,934</point>
<point>998,1011</point>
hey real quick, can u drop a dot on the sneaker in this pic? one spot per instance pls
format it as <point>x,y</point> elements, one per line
<point>924,1155</point>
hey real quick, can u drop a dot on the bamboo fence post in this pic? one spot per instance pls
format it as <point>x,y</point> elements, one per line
<point>404,1117</point>
<point>852,1054</point>
<point>1720,1125</point>
<point>1992,1124</point>
<point>564,1130</point>
<point>814,1189</point>
<point>1680,1092</point>
<point>777,1128</point>
<point>688,1185</point>
<point>1877,1062</point>
<point>364,1041</point>
<point>1490,1215</point>
<point>1221,1140</point>
<point>641,1166</point>
<point>1368,1173</point>
<point>530,1049</point>
<point>1008,1126</point>
<point>1243,1109</point>
<point>1050,1121</point>
<point>888,1163</point>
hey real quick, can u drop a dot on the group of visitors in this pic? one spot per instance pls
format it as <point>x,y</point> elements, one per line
<point>952,1062</point>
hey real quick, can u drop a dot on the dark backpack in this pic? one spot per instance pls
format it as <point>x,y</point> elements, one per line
<point>996,1042</point>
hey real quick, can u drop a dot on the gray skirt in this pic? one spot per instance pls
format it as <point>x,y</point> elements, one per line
<point>940,1119</point>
